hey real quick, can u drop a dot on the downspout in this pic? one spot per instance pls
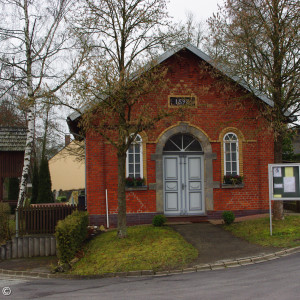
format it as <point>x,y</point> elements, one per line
<point>107,219</point>
<point>85,192</point>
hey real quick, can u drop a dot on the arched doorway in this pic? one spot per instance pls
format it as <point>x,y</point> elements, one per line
<point>183,175</point>
<point>206,160</point>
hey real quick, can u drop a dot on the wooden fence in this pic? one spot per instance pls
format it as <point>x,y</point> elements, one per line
<point>42,218</point>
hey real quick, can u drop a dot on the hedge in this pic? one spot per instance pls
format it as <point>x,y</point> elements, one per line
<point>70,234</point>
<point>4,221</point>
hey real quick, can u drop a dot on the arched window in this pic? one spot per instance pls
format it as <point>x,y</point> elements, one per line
<point>181,142</point>
<point>231,154</point>
<point>134,159</point>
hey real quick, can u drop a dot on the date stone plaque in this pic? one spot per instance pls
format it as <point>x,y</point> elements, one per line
<point>182,100</point>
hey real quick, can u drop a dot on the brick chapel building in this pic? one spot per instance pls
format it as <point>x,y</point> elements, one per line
<point>184,161</point>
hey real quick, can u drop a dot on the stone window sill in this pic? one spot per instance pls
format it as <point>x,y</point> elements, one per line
<point>232,186</point>
<point>136,188</point>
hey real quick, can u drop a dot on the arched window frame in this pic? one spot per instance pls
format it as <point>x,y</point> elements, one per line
<point>233,151</point>
<point>138,141</point>
<point>181,146</point>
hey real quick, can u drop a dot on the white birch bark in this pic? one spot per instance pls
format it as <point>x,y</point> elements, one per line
<point>30,112</point>
<point>27,156</point>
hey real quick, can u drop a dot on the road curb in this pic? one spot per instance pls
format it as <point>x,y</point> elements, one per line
<point>219,265</point>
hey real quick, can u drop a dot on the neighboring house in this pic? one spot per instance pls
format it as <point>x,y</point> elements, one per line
<point>296,142</point>
<point>184,161</point>
<point>66,171</point>
<point>12,147</point>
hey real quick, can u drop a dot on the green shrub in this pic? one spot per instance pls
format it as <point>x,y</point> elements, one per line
<point>35,183</point>
<point>228,217</point>
<point>44,185</point>
<point>159,220</point>
<point>70,234</point>
<point>4,221</point>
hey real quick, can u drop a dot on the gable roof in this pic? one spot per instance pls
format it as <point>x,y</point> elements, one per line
<point>207,59</point>
<point>13,138</point>
<point>223,70</point>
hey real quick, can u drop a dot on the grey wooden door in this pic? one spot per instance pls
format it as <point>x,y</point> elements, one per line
<point>183,184</point>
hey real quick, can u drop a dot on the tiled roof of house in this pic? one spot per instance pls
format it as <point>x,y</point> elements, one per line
<point>13,138</point>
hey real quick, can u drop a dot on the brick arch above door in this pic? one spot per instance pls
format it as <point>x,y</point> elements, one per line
<point>184,127</point>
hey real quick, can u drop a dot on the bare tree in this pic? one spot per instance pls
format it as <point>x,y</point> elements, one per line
<point>10,114</point>
<point>124,34</point>
<point>189,31</point>
<point>258,40</point>
<point>35,44</point>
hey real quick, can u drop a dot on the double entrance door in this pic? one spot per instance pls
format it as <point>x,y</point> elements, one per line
<point>183,184</point>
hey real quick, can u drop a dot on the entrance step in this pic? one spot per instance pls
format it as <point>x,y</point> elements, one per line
<point>187,219</point>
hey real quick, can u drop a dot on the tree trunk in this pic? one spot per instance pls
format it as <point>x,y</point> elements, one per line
<point>122,230</point>
<point>278,205</point>
<point>30,116</point>
<point>27,157</point>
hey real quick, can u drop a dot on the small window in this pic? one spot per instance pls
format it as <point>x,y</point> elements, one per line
<point>134,160</point>
<point>231,155</point>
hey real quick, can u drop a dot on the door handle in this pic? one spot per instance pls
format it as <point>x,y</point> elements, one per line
<point>182,186</point>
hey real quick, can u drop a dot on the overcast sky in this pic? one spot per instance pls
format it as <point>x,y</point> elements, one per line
<point>202,9</point>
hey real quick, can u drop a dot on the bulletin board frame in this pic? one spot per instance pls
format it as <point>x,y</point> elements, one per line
<point>284,182</point>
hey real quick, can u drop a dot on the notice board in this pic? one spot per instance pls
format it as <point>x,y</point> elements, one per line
<point>284,181</point>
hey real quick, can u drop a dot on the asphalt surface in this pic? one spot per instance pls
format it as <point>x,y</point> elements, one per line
<point>275,279</point>
<point>215,244</point>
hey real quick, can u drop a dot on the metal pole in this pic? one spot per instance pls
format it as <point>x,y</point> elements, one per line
<point>17,222</point>
<point>85,192</point>
<point>107,220</point>
<point>270,211</point>
<point>270,179</point>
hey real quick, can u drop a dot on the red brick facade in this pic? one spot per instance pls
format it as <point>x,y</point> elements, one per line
<point>221,107</point>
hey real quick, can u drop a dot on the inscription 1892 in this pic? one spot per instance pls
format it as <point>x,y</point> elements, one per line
<point>182,100</point>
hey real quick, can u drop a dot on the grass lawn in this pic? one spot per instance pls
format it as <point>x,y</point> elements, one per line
<point>286,233</point>
<point>145,248</point>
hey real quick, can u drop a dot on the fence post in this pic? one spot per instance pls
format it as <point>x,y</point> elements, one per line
<point>25,246</point>
<point>20,247</point>
<point>14,247</point>
<point>8,250</point>
<point>53,245</point>
<point>36,246</point>
<point>47,246</point>
<point>3,252</point>
<point>30,247</point>
<point>17,222</point>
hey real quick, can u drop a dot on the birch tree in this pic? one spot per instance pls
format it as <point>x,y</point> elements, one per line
<point>258,41</point>
<point>125,35</point>
<point>35,43</point>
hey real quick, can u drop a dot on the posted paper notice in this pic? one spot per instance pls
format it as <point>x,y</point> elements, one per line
<point>289,172</point>
<point>289,184</point>
<point>278,185</point>
<point>277,172</point>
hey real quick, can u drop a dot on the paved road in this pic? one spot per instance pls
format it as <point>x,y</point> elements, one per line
<point>276,279</point>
